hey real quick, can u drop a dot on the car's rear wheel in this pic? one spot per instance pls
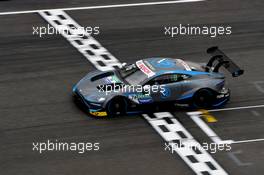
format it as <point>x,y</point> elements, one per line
<point>116,106</point>
<point>203,98</point>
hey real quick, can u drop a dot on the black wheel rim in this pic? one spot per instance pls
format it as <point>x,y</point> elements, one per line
<point>204,99</point>
<point>117,107</point>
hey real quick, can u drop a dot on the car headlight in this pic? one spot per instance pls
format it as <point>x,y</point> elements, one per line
<point>224,90</point>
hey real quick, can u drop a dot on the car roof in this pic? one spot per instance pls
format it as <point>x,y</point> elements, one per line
<point>158,66</point>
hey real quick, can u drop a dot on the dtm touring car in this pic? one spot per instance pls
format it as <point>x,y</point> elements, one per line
<point>162,81</point>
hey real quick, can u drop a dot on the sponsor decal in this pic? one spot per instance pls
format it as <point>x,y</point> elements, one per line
<point>133,97</point>
<point>142,101</point>
<point>185,65</point>
<point>163,63</point>
<point>140,64</point>
<point>99,114</point>
<point>166,93</point>
<point>112,79</point>
<point>140,98</point>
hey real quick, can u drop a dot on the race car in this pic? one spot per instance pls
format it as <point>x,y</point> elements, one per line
<point>152,82</point>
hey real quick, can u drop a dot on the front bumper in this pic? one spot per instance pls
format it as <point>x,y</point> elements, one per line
<point>92,108</point>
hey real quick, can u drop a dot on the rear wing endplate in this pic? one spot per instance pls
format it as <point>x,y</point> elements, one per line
<point>222,60</point>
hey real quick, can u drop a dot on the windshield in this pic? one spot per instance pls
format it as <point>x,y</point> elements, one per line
<point>132,74</point>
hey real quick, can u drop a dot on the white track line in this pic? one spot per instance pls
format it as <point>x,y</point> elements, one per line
<point>236,108</point>
<point>196,117</point>
<point>102,6</point>
<point>249,141</point>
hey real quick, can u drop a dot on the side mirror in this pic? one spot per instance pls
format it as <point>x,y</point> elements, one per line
<point>123,64</point>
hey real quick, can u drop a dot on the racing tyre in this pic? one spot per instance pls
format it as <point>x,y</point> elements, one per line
<point>117,106</point>
<point>203,98</point>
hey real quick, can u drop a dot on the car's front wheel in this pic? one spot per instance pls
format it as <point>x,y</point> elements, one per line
<point>116,106</point>
<point>203,98</point>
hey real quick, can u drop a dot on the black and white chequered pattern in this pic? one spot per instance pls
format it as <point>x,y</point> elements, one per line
<point>81,40</point>
<point>172,131</point>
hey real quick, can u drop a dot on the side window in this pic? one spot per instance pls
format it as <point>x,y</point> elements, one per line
<point>167,79</point>
<point>151,82</point>
<point>181,77</point>
<point>164,79</point>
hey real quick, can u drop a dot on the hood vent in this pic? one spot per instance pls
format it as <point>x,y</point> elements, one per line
<point>103,75</point>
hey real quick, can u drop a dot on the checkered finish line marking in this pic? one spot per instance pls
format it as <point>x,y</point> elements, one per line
<point>193,154</point>
<point>168,127</point>
<point>81,40</point>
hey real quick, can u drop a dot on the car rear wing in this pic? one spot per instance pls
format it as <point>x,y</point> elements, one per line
<point>222,60</point>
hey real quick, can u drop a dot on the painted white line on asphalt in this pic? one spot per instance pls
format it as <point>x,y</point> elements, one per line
<point>255,113</point>
<point>248,141</point>
<point>233,156</point>
<point>191,151</point>
<point>102,6</point>
<point>236,108</point>
<point>259,86</point>
<point>196,117</point>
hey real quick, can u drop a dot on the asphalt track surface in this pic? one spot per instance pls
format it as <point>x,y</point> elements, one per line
<point>37,74</point>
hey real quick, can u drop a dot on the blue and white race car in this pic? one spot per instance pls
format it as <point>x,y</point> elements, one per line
<point>152,82</point>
